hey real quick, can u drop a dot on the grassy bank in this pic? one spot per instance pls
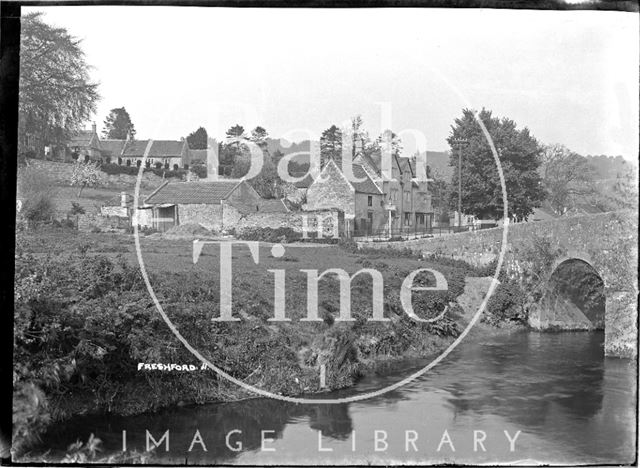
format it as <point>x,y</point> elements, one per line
<point>84,320</point>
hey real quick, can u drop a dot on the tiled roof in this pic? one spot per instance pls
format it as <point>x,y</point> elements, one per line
<point>166,148</point>
<point>192,192</point>
<point>366,186</point>
<point>159,148</point>
<point>112,147</point>
<point>404,164</point>
<point>135,148</point>
<point>82,138</point>
<point>273,206</point>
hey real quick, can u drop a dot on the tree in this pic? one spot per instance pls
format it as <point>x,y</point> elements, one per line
<point>56,95</point>
<point>331,146</point>
<point>359,136</point>
<point>390,142</point>
<point>118,125</point>
<point>85,175</point>
<point>198,140</point>
<point>567,176</point>
<point>236,135</point>
<point>520,158</point>
<point>259,136</point>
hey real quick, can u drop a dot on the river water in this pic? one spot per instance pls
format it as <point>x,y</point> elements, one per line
<point>570,404</point>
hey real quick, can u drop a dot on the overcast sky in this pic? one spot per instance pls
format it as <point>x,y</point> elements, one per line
<point>571,77</point>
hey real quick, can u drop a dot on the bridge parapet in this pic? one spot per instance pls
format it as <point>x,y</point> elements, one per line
<point>607,241</point>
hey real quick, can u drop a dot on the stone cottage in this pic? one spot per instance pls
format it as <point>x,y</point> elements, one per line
<point>215,205</point>
<point>361,201</point>
<point>84,146</point>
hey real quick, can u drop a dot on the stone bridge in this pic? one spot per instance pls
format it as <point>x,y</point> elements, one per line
<point>607,243</point>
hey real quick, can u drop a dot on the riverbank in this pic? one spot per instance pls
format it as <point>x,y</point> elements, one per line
<point>85,324</point>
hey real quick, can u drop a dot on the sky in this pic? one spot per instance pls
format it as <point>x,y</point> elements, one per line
<point>571,77</point>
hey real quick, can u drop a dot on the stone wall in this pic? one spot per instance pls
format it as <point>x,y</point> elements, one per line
<point>60,173</point>
<point>608,242</point>
<point>208,216</point>
<point>293,220</point>
<point>91,221</point>
<point>120,211</point>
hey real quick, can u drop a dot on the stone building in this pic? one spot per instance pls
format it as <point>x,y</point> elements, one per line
<point>360,200</point>
<point>84,146</point>
<point>374,202</point>
<point>214,205</point>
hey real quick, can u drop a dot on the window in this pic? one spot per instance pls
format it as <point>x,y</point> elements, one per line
<point>407,196</point>
<point>394,194</point>
<point>420,219</point>
<point>369,200</point>
<point>407,219</point>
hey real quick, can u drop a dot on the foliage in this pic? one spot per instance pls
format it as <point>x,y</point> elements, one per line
<point>259,136</point>
<point>389,143</point>
<point>567,176</point>
<point>37,194</point>
<point>236,135</point>
<point>76,208</point>
<point>114,169</point>
<point>85,174</point>
<point>506,304</point>
<point>198,140</point>
<point>118,125</point>
<point>267,234</point>
<point>331,146</point>
<point>56,95</point>
<point>199,170</point>
<point>520,158</point>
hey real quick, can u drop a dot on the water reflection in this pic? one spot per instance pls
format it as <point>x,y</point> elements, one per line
<point>571,403</point>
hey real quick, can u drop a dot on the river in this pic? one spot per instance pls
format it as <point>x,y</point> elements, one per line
<point>570,404</point>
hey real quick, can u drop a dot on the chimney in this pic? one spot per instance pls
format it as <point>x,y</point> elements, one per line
<point>93,127</point>
<point>123,199</point>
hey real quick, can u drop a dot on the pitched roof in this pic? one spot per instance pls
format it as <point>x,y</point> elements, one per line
<point>135,148</point>
<point>193,192</point>
<point>158,149</point>
<point>273,206</point>
<point>83,138</point>
<point>404,164</point>
<point>367,159</point>
<point>166,148</point>
<point>112,147</point>
<point>367,185</point>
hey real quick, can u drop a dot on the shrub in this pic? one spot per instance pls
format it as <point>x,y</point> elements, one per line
<point>76,209</point>
<point>506,304</point>
<point>267,234</point>
<point>158,165</point>
<point>200,170</point>
<point>37,194</point>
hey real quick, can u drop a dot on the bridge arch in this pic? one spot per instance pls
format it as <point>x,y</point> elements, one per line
<point>574,296</point>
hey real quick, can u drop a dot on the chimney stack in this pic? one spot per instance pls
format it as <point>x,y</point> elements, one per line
<point>93,127</point>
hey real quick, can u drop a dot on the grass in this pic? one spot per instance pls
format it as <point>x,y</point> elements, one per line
<point>280,357</point>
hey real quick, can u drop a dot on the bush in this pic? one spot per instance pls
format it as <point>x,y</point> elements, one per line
<point>200,170</point>
<point>37,194</point>
<point>267,234</point>
<point>506,304</point>
<point>76,209</point>
<point>113,169</point>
